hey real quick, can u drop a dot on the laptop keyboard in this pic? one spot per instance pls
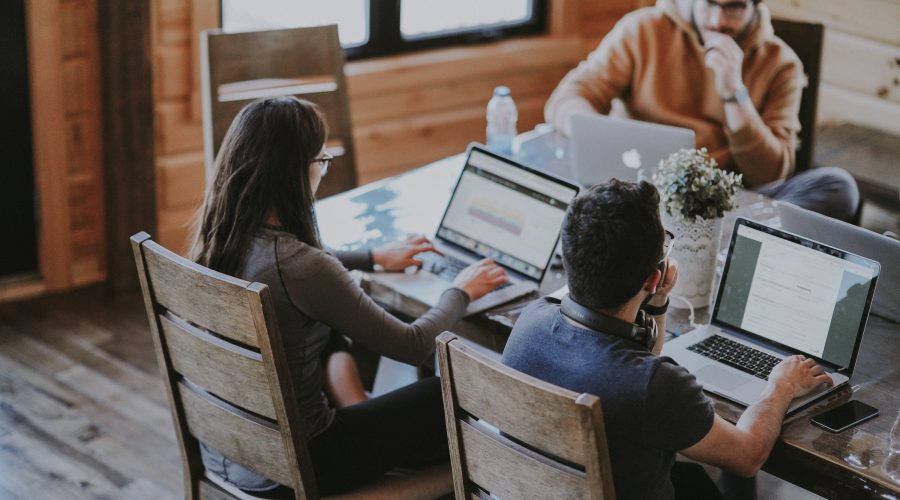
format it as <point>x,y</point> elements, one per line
<point>736,355</point>
<point>447,267</point>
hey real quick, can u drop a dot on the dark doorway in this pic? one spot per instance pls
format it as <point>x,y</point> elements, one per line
<point>18,227</point>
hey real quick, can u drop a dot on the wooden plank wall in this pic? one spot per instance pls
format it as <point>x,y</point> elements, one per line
<point>64,61</point>
<point>406,110</point>
<point>84,149</point>
<point>861,59</point>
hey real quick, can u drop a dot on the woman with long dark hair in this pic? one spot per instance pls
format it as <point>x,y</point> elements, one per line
<point>257,223</point>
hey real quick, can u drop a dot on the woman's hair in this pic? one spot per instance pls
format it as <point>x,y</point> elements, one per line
<point>262,168</point>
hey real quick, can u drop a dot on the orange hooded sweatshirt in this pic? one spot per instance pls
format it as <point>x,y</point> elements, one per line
<point>654,62</point>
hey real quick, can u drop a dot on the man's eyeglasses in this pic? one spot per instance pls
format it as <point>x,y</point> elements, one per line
<point>325,161</point>
<point>733,9</point>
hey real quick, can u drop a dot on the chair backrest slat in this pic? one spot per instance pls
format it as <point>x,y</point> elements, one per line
<point>498,465</point>
<point>273,53</point>
<point>236,434</point>
<point>231,372</point>
<point>210,300</point>
<point>494,392</point>
<point>516,436</point>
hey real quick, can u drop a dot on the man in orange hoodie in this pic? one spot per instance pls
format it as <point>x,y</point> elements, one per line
<point>716,67</point>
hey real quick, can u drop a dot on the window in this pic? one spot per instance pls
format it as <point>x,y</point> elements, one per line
<point>351,16</point>
<point>430,18</point>
<point>376,27</point>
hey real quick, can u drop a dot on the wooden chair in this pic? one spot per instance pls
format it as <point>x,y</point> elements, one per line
<point>514,436</point>
<point>237,68</point>
<point>223,363</point>
<point>806,39</point>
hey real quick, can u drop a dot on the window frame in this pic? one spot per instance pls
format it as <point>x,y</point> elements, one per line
<point>385,37</point>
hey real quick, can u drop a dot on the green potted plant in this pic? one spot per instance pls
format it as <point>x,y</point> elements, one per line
<point>694,196</point>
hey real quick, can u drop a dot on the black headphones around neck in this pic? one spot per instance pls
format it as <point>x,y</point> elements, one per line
<point>643,330</point>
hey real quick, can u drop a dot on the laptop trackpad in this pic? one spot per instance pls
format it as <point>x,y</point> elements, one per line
<point>723,378</point>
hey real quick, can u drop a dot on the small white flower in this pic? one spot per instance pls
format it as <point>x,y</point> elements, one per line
<point>692,186</point>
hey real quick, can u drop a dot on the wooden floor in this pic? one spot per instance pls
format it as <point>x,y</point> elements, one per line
<point>83,413</point>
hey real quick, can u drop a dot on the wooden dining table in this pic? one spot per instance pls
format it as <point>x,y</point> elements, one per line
<point>861,462</point>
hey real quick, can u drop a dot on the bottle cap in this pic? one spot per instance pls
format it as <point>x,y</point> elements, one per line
<point>502,91</point>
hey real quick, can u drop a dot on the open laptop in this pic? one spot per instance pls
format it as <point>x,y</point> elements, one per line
<point>857,240</point>
<point>604,148</point>
<point>780,294</point>
<point>499,209</point>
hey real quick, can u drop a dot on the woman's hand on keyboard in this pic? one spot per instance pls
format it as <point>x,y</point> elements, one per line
<point>480,278</point>
<point>399,255</point>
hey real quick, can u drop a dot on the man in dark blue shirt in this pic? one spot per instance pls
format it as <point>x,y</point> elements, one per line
<point>602,339</point>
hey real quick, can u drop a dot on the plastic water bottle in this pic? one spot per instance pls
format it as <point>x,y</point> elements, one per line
<point>501,121</point>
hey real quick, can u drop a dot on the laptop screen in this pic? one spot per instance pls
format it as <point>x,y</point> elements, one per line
<point>507,212</point>
<point>796,292</point>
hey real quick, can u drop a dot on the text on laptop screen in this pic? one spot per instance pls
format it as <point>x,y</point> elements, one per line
<point>801,297</point>
<point>506,213</point>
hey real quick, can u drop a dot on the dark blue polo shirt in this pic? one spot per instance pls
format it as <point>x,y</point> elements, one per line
<point>652,407</point>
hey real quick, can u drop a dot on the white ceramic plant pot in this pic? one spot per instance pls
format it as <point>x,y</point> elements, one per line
<point>695,250</point>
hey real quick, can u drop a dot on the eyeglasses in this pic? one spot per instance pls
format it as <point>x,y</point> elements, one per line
<point>734,9</point>
<point>325,161</point>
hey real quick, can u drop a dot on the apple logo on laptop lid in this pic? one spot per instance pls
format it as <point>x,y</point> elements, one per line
<point>632,159</point>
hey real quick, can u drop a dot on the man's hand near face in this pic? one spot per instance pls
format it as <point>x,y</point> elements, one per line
<point>725,58</point>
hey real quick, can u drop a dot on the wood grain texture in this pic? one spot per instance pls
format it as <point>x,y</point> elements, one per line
<point>79,416</point>
<point>250,441</point>
<point>861,65</point>
<point>210,300</point>
<point>128,132</point>
<point>225,370</point>
<point>523,406</point>
<point>49,135</point>
<point>493,412</point>
<point>508,470</point>
<point>873,19</point>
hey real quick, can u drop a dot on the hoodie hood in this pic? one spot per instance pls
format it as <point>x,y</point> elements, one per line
<point>759,31</point>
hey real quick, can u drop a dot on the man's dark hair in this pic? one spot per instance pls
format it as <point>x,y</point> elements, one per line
<point>612,241</point>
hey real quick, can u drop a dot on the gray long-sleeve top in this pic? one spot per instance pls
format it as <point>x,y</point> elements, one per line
<point>315,294</point>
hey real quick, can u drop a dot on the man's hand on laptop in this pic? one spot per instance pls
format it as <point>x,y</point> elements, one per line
<point>798,376</point>
<point>399,255</point>
<point>480,278</point>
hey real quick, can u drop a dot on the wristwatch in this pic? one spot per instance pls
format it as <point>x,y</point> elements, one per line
<point>656,310</point>
<point>740,96</point>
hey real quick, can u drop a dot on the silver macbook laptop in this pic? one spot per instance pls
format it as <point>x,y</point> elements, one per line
<point>780,294</point>
<point>857,240</point>
<point>499,209</point>
<point>604,148</point>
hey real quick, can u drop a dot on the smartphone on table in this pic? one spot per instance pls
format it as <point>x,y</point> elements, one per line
<point>845,416</point>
